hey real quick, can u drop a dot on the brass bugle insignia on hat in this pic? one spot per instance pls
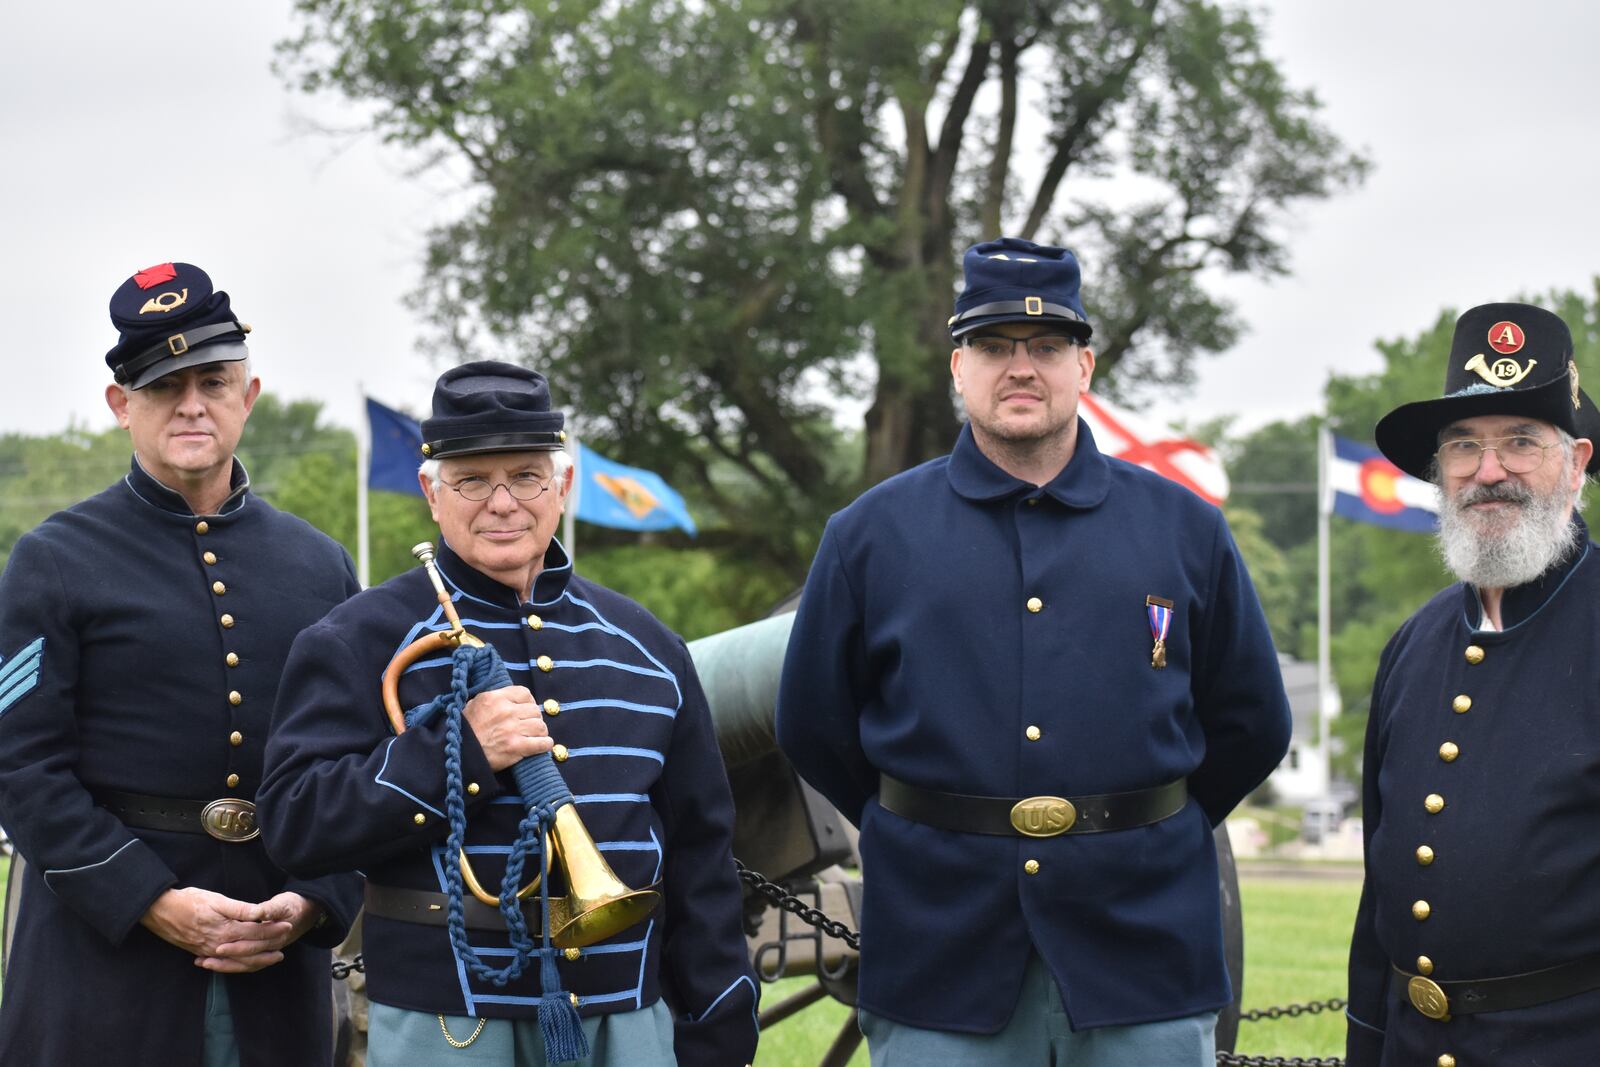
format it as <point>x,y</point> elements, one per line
<point>1572,375</point>
<point>165,302</point>
<point>1505,372</point>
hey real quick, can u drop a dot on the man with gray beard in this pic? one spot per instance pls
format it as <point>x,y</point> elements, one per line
<point>1477,940</point>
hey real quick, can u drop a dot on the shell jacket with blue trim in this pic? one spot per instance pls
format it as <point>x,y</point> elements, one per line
<point>141,647</point>
<point>1513,867</point>
<point>620,693</point>
<point>953,608</point>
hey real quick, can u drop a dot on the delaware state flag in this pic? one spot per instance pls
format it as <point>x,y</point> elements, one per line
<point>1368,488</point>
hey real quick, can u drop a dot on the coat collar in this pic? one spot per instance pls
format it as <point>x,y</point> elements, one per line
<point>157,494</point>
<point>547,587</point>
<point>1081,484</point>
<point>1521,603</point>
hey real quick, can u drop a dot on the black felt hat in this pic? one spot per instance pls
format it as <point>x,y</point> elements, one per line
<point>169,317</point>
<point>1505,359</point>
<point>491,407</point>
<point>1013,280</point>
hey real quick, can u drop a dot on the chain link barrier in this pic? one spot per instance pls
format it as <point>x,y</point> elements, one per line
<point>784,900</point>
<point>343,970</point>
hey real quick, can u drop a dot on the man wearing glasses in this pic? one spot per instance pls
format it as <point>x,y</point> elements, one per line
<point>1477,939</point>
<point>595,681</point>
<point>1035,677</point>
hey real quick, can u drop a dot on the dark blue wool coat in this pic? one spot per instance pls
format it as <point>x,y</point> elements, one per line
<point>915,654</point>
<point>114,676</point>
<point>1515,868</point>
<point>341,790</point>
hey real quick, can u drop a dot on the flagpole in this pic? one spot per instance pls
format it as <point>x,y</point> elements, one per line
<point>569,523</point>
<point>1324,608</point>
<point>363,461</point>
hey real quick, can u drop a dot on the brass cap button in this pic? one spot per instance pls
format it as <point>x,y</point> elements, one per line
<point>559,753</point>
<point>1449,751</point>
<point>1033,501</point>
<point>1032,866</point>
<point>419,818</point>
<point>1446,1060</point>
<point>546,664</point>
<point>472,789</point>
<point>202,526</point>
<point>1424,855</point>
<point>1434,803</point>
<point>1474,654</point>
<point>1424,965</point>
<point>551,707</point>
<point>572,953</point>
<point>1035,605</point>
<point>227,622</point>
<point>233,659</point>
<point>210,557</point>
<point>535,623</point>
<point>236,739</point>
<point>235,698</point>
<point>233,780</point>
<point>1421,910</point>
<point>1461,703</point>
<point>1033,733</point>
<point>218,588</point>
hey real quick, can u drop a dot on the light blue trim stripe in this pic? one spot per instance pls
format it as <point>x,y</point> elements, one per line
<point>617,750</point>
<point>644,957</point>
<point>17,691</point>
<point>379,779</point>
<point>629,667</point>
<point>634,641</point>
<point>32,648</point>
<point>745,978</point>
<point>461,968</point>
<point>91,866</point>
<point>625,705</point>
<point>626,846</point>
<point>611,798</point>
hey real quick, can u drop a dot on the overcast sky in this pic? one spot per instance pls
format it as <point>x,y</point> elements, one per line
<point>135,134</point>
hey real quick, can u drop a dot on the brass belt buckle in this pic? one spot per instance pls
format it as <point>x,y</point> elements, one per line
<point>1428,998</point>
<point>230,819</point>
<point>1043,816</point>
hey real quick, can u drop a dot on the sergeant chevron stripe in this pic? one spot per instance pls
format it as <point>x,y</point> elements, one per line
<point>21,674</point>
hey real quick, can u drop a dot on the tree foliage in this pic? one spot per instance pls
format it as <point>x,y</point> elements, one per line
<point>708,223</point>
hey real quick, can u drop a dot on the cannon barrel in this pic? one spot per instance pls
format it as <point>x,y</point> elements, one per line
<point>739,671</point>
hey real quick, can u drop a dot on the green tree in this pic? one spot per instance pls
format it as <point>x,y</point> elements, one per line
<point>708,222</point>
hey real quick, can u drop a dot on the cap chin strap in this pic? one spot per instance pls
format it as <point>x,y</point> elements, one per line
<point>174,345</point>
<point>1031,307</point>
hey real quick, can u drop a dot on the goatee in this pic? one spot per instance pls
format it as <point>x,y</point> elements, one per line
<point>1506,546</point>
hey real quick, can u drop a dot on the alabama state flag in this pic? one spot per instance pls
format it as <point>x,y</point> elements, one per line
<point>1364,486</point>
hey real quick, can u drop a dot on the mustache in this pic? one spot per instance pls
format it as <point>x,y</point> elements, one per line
<point>1500,492</point>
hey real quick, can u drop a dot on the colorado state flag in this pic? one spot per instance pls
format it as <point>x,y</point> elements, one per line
<point>1368,488</point>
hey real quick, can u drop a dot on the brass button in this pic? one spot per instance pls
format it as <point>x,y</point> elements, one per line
<point>236,739</point>
<point>1424,965</point>
<point>235,698</point>
<point>1449,751</point>
<point>560,753</point>
<point>546,664</point>
<point>551,707</point>
<point>1421,910</point>
<point>1434,803</point>
<point>573,953</point>
<point>472,789</point>
<point>233,659</point>
<point>419,818</point>
<point>218,588</point>
<point>1461,703</point>
<point>1033,501</point>
<point>1032,866</point>
<point>233,780</point>
<point>1474,654</point>
<point>1033,733</point>
<point>227,622</point>
<point>1424,855</point>
<point>202,526</point>
<point>576,1000</point>
<point>1446,1060</point>
<point>1035,605</point>
<point>210,557</point>
<point>535,623</point>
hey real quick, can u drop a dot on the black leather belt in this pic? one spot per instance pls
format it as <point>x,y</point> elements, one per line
<point>431,909</point>
<point>1441,1000</point>
<point>230,819</point>
<point>1042,816</point>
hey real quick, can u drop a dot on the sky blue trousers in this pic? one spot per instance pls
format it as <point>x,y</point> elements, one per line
<point>400,1038</point>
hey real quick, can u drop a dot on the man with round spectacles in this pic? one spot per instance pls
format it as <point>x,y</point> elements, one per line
<point>1476,933</point>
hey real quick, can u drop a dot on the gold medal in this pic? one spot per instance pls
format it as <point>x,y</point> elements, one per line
<point>1158,655</point>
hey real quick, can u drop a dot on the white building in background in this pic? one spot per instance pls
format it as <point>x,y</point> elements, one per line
<point>1303,775</point>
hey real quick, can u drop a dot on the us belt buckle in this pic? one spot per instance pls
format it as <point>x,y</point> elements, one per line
<point>230,819</point>
<point>1428,998</point>
<point>1043,816</point>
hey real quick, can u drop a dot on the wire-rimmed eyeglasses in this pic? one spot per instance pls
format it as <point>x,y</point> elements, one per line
<point>477,489</point>
<point>1518,454</point>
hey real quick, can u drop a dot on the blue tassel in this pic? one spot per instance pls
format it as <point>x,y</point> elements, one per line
<point>564,1039</point>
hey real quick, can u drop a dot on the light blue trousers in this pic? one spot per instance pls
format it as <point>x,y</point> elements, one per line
<point>1039,1035</point>
<point>221,1048</point>
<point>400,1038</point>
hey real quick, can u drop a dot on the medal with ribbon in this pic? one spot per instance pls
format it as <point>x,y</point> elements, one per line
<point>1160,613</point>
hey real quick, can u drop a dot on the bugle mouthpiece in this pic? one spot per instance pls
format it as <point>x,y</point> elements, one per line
<point>423,551</point>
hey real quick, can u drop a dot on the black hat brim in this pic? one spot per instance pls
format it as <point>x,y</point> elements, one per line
<point>483,444</point>
<point>1081,331</point>
<point>227,351</point>
<point>1409,435</point>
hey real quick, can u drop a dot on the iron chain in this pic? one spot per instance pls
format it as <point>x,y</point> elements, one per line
<point>787,901</point>
<point>1290,1011</point>
<point>343,970</point>
<point>1287,1011</point>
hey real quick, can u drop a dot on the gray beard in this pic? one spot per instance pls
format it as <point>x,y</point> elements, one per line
<point>1508,549</point>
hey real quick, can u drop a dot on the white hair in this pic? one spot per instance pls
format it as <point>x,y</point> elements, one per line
<point>560,463</point>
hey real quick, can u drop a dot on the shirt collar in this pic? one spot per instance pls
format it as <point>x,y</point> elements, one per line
<point>547,587</point>
<point>1081,484</point>
<point>1520,603</point>
<point>154,492</point>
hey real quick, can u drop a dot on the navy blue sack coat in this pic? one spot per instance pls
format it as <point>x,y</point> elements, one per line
<point>342,790</point>
<point>114,675</point>
<point>1514,868</point>
<point>915,653</point>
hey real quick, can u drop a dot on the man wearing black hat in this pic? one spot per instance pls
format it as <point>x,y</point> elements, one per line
<point>142,635</point>
<point>1036,678</point>
<point>440,802</point>
<point>1477,940</point>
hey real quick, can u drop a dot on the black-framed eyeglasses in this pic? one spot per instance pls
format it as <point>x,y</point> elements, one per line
<point>1518,454</point>
<point>477,489</point>
<point>1046,351</point>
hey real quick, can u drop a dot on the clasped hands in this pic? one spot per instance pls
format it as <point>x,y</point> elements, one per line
<point>227,935</point>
